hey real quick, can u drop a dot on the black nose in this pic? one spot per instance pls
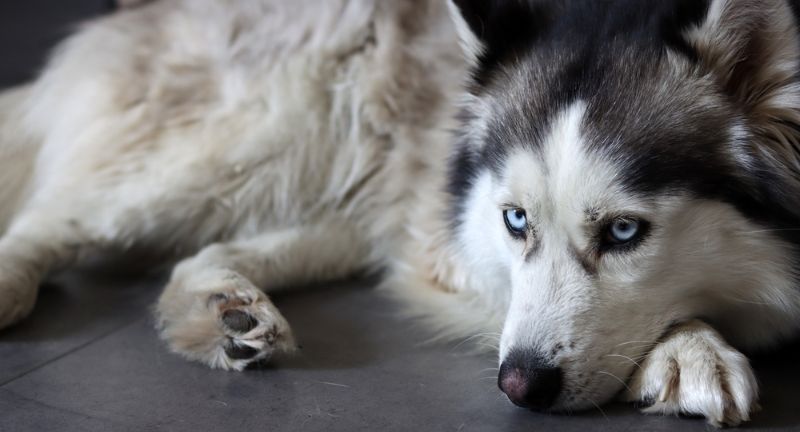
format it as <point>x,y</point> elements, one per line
<point>528,381</point>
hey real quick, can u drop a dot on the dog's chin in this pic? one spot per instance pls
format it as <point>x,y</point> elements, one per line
<point>584,398</point>
<point>571,406</point>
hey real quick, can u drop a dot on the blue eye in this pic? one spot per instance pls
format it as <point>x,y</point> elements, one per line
<point>516,221</point>
<point>623,231</point>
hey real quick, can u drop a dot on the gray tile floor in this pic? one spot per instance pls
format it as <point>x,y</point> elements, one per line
<point>89,359</point>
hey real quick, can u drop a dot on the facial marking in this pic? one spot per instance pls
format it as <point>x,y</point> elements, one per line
<point>534,246</point>
<point>569,190</point>
<point>585,259</point>
<point>592,215</point>
<point>564,186</point>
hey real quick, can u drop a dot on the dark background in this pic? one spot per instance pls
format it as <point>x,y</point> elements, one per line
<point>89,360</point>
<point>29,28</point>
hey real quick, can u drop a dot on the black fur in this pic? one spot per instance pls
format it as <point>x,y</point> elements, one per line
<point>512,29</point>
<point>463,167</point>
<point>506,27</point>
<point>610,54</point>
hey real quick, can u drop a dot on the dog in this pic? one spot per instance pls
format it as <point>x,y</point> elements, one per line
<point>609,187</point>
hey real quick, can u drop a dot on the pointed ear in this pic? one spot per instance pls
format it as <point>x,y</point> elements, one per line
<point>751,47</point>
<point>469,17</point>
<point>489,30</point>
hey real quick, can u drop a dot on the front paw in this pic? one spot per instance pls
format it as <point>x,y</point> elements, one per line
<point>253,327</point>
<point>228,323</point>
<point>694,371</point>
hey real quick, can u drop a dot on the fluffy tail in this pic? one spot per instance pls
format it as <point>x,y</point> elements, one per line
<point>18,149</point>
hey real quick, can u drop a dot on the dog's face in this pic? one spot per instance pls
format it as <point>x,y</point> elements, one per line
<point>622,176</point>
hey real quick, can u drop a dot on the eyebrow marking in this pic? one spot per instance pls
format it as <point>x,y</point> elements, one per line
<point>533,249</point>
<point>592,214</point>
<point>584,259</point>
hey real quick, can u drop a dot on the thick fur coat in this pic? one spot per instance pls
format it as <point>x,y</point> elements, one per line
<point>605,189</point>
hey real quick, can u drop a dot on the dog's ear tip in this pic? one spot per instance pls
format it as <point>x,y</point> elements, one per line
<point>465,3</point>
<point>752,49</point>
<point>750,45</point>
<point>468,21</point>
<point>495,27</point>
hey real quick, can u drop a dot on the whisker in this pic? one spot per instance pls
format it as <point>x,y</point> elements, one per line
<point>488,345</point>
<point>616,378</point>
<point>639,342</point>
<point>471,338</point>
<point>626,358</point>
<point>598,408</point>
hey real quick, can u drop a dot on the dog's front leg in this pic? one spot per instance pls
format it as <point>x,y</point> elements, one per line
<point>694,371</point>
<point>215,310</point>
<point>37,245</point>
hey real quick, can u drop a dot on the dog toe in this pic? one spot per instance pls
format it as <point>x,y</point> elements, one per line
<point>694,372</point>
<point>228,327</point>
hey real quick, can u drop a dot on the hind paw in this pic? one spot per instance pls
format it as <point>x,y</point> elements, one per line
<point>694,371</point>
<point>227,327</point>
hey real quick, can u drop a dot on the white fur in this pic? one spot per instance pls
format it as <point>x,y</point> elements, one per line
<point>470,43</point>
<point>226,121</point>
<point>702,258</point>
<point>271,147</point>
<point>693,370</point>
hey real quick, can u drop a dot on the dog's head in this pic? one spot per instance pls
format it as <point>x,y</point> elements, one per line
<point>623,164</point>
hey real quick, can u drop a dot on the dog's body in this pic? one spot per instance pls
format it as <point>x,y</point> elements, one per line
<point>620,172</point>
<point>259,126</point>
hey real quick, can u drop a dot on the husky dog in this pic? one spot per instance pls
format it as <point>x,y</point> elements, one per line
<point>620,198</point>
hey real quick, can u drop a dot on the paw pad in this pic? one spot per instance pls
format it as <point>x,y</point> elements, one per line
<point>239,352</point>
<point>238,320</point>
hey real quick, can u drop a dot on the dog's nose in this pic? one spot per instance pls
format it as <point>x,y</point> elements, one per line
<point>529,383</point>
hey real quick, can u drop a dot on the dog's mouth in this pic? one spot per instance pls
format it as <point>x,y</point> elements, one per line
<point>580,372</point>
